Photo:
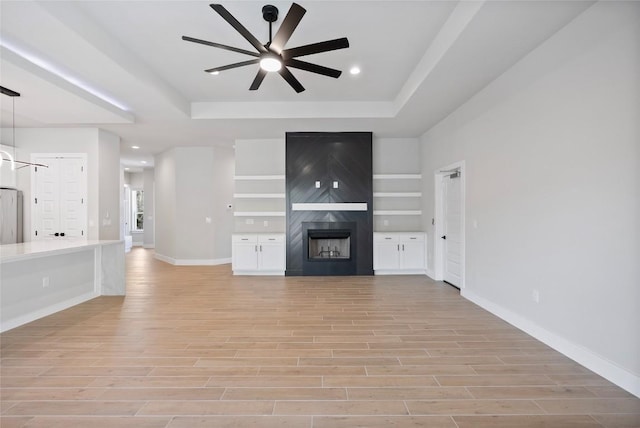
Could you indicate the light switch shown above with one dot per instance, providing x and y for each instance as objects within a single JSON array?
[
  {"x": 207, "y": 220},
  {"x": 335, "y": 184},
  {"x": 317, "y": 184}
]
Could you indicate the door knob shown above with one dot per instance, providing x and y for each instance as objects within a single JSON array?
[{"x": 444, "y": 237}]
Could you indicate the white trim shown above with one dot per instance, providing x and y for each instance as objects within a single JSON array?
[
  {"x": 335, "y": 206},
  {"x": 49, "y": 310},
  {"x": 259, "y": 195},
  {"x": 430, "y": 273},
  {"x": 149, "y": 246},
  {"x": 399, "y": 272},
  {"x": 258, "y": 177},
  {"x": 397, "y": 176},
  {"x": 594, "y": 362},
  {"x": 258, "y": 272},
  {"x": 397, "y": 194},
  {"x": 193, "y": 262},
  {"x": 259, "y": 214},
  {"x": 438, "y": 246},
  {"x": 397, "y": 212}
]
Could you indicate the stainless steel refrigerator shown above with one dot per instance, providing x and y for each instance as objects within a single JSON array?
[{"x": 10, "y": 216}]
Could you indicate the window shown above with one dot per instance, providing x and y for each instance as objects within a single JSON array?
[{"x": 137, "y": 210}]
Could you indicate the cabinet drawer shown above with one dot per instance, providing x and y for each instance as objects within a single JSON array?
[
  {"x": 412, "y": 237},
  {"x": 247, "y": 239},
  {"x": 266, "y": 239},
  {"x": 385, "y": 237}
]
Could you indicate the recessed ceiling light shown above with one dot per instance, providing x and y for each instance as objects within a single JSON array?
[
  {"x": 143, "y": 162},
  {"x": 354, "y": 70},
  {"x": 126, "y": 169},
  {"x": 135, "y": 147}
]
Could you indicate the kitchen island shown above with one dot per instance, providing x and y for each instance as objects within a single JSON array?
[{"x": 40, "y": 278}]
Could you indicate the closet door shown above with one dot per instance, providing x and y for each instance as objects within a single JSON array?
[{"x": 59, "y": 202}]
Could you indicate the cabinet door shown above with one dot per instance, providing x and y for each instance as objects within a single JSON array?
[
  {"x": 386, "y": 255},
  {"x": 244, "y": 256},
  {"x": 272, "y": 257},
  {"x": 412, "y": 254}
]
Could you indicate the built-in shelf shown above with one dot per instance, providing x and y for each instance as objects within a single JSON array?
[
  {"x": 259, "y": 195},
  {"x": 259, "y": 214},
  {"x": 258, "y": 177},
  {"x": 397, "y": 176},
  {"x": 397, "y": 194},
  {"x": 397, "y": 212}
]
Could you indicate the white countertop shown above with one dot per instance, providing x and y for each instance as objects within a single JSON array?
[{"x": 46, "y": 247}]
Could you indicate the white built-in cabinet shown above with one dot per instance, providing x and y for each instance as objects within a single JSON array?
[
  {"x": 258, "y": 254},
  {"x": 399, "y": 253}
]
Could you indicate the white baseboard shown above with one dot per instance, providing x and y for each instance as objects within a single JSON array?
[
  {"x": 594, "y": 362},
  {"x": 399, "y": 272},
  {"x": 193, "y": 262},
  {"x": 258, "y": 272},
  {"x": 431, "y": 274},
  {"x": 149, "y": 246},
  {"x": 41, "y": 313}
]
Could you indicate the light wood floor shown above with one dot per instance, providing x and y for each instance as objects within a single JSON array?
[{"x": 197, "y": 347}]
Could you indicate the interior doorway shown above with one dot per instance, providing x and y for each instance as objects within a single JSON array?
[
  {"x": 449, "y": 233},
  {"x": 59, "y": 196}
]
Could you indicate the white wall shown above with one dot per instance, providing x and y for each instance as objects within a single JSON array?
[
  {"x": 223, "y": 172},
  {"x": 552, "y": 159},
  {"x": 165, "y": 202},
  {"x": 7, "y": 169},
  {"x": 149, "y": 208},
  {"x": 109, "y": 185},
  {"x": 192, "y": 183}
]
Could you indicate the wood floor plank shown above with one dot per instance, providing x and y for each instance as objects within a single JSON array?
[{"x": 195, "y": 346}]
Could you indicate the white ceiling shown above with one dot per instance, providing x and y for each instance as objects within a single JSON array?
[{"x": 122, "y": 66}]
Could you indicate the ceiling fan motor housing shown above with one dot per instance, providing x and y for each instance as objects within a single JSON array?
[{"x": 270, "y": 13}]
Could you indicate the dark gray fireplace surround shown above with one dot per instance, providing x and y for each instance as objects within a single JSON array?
[{"x": 329, "y": 168}]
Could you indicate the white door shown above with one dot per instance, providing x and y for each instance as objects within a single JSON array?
[
  {"x": 452, "y": 231},
  {"x": 59, "y": 203},
  {"x": 46, "y": 200}
]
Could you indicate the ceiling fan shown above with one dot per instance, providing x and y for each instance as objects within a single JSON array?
[{"x": 272, "y": 56}]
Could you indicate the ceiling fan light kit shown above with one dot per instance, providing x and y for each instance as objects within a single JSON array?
[{"x": 272, "y": 56}]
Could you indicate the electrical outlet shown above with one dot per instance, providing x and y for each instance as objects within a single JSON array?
[
  {"x": 265, "y": 223},
  {"x": 248, "y": 221},
  {"x": 535, "y": 295},
  {"x": 385, "y": 222},
  {"x": 45, "y": 281}
]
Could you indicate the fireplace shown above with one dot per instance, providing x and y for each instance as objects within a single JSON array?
[
  {"x": 329, "y": 197},
  {"x": 330, "y": 248},
  {"x": 327, "y": 245}
]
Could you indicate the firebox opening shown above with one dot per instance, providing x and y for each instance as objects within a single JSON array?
[{"x": 329, "y": 244}]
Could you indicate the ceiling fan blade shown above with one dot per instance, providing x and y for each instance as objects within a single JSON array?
[
  {"x": 289, "y": 24},
  {"x": 224, "y": 13},
  {"x": 258, "y": 80},
  {"x": 291, "y": 80},
  {"x": 218, "y": 45},
  {"x": 235, "y": 65},
  {"x": 328, "y": 45},
  {"x": 314, "y": 68}
]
